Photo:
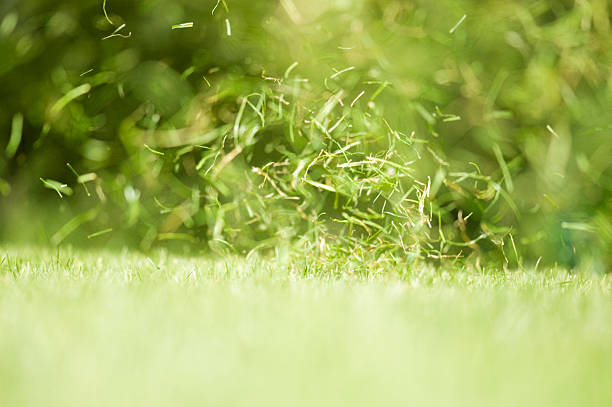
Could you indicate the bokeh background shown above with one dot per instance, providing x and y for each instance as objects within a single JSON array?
[{"x": 518, "y": 91}]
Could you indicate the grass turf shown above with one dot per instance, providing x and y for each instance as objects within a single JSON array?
[{"x": 102, "y": 328}]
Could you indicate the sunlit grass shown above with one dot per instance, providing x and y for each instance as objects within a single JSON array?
[{"x": 104, "y": 328}]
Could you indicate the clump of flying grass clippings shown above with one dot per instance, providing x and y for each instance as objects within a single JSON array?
[
  {"x": 383, "y": 130},
  {"x": 302, "y": 165}
]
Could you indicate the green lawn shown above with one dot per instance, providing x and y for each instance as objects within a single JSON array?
[{"x": 120, "y": 329}]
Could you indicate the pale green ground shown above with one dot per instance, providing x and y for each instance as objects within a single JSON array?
[{"x": 109, "y": 329}]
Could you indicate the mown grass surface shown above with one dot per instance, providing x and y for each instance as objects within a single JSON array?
[{"x": 102, "y": 328}]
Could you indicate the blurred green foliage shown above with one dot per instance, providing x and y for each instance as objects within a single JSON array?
[{"x": 427, "y": 129}]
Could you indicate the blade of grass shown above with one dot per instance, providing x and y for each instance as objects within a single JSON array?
[
  {"x": 72, "y": 225},
  {"x": 504, "y": 167},
  {"x": 78, "y": 178},
  {"x": 69, "y": 97},
  {"x": 452, "y": 30},
  {"x": 16, "y": 134},
  {"x": 183, "y": 25},
  {"x": 100, "y": 233}
]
